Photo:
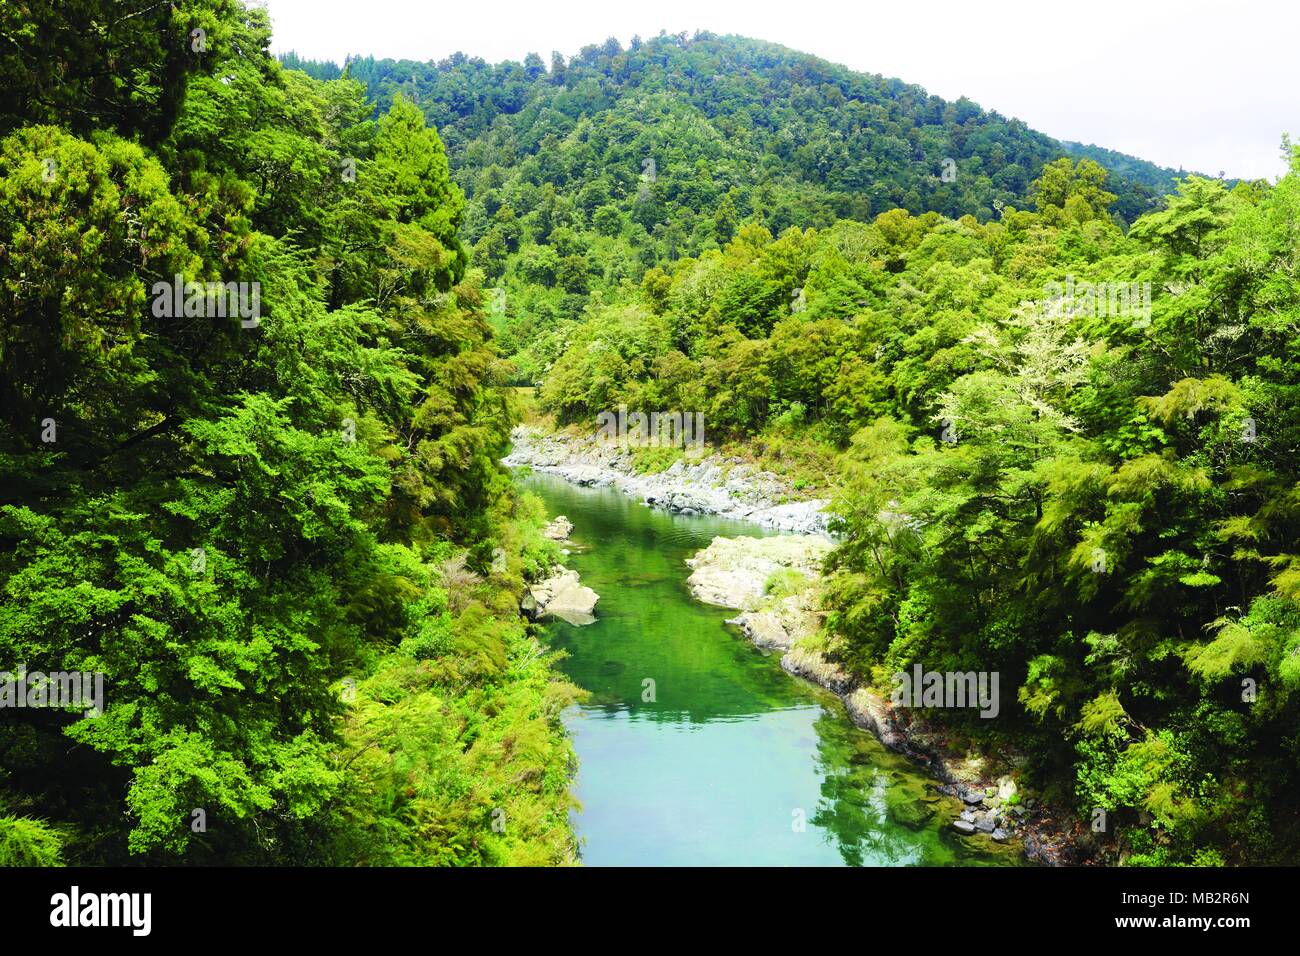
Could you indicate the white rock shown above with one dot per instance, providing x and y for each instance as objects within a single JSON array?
[
  {"x": 733, "y": 572},
  {"x": 564, "y": 596},
  {"x": 559, "y": 529}
]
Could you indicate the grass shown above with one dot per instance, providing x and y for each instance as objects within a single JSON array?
[
  {"x": 651, "y": 460},
  {"x": 785, "y": 582}
]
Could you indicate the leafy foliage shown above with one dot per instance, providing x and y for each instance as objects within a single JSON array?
[{"x": 244, "y": 525}]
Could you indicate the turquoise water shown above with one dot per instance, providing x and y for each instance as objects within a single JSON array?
[{"x": 695, "y": 747}]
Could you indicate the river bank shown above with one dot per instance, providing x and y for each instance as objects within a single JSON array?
[
  {"x": 774, "y": 583},
  {"x": 713, "y": 485}
]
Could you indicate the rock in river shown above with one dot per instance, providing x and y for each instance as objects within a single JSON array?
[
  {"x": 562, "y": 595},
  {"x": 559, "y": 529}
]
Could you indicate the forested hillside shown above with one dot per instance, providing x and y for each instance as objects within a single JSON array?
[
  {"x": 1158, "y": 178},
  {"x": 282, "y": 535},
  {"x": 581, "y": 175}
]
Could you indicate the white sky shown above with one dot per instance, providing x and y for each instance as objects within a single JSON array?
[{"x": 1208, "y": 86}]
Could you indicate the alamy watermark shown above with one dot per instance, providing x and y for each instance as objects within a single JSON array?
[
  {"x": 648, "y": 175},
  {"x": 948, "y": 689},
  {"x": 179, "y": 298},
  {"x": 671, "y": 429},
  {"x": 1131, "y": 300},
  {"x": 60, "y": 690},
  {"x": 75, "y": 908}
]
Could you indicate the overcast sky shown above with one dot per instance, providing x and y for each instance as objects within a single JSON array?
[{"x": 1206, "y": 86}]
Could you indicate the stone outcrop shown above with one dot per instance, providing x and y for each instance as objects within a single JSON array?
[{"x": 733, "y": 572}]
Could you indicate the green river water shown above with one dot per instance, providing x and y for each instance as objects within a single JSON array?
[{"x": 730, "y": 761}]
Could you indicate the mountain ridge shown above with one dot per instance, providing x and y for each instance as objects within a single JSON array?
[{"x": 446, "y": 104}]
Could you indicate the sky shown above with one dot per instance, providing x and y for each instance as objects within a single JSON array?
[{"x": 1205, "y": 86}]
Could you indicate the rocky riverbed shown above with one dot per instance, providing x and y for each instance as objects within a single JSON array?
[
  {"x": 712, "y": 485},
  {"x": 774, "y": 583}
]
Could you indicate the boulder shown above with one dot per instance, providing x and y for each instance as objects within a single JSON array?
[
  {"x": 911, "y": 814},
  {"x": 765, "y": 629},
  {"x": 529, "y": 605},
  {"x": 559, "y": 529},
  {"x": 576, "y": 604},
  {"x": 812, "y": 666},
  {"x": 561, "y": 595}
]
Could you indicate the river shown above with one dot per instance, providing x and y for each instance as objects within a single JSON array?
[{"x": 695, "y": 748}]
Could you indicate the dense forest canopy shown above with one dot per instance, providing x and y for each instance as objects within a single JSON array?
[
  {"x": 582, "y": 174},
  {"x": 842, "y": 142}
]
